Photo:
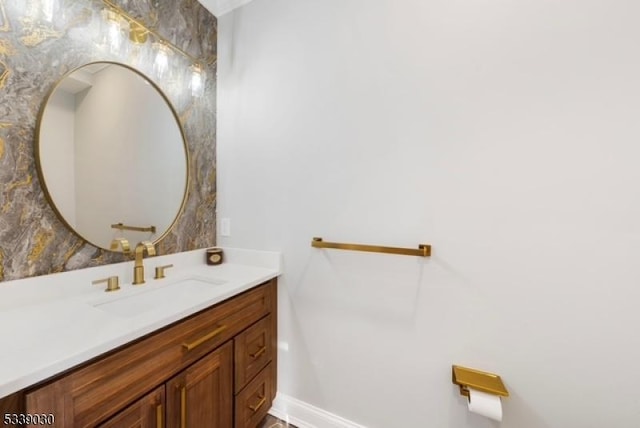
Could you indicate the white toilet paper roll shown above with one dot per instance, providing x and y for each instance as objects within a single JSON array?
[{"x": 484, "y": 404}]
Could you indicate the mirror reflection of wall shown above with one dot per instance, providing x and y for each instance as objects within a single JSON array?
[
  {"x": 111, "y": 151},
  {"x": 61, "y": 123}
]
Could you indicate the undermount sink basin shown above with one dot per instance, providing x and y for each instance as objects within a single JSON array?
[{"x": 153, "y": 296}]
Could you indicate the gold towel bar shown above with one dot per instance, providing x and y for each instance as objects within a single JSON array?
[
  {"x": 423, "y": 250},
  {"x": 122, "y": 226},
  {"x": 466, "y": 378}
]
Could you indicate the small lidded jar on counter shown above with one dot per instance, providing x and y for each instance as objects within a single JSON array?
[{"x": 214, "y": 256}]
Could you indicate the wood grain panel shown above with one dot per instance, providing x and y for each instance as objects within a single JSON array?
[
  {"x": 273, "y": 300},
  {"x": 12, "y": 404}
]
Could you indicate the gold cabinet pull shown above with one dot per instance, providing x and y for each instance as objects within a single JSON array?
[
  {"x": 259, "y": 404},
  {"x": 259, "y": 352},
  {"x": 203, "y": 339},
  {"x": 159, "y": 412},
  {"x": 183, "y": 407}
]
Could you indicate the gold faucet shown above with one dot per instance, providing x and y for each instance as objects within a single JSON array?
[
  {"x": 121, "y": 242},
  {"x": 138, "y": 267}
]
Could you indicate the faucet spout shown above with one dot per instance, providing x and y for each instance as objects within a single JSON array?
[{"x": 138, "y": 267}]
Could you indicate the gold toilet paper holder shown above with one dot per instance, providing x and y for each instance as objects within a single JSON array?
[{"x": 466, "y": 378}]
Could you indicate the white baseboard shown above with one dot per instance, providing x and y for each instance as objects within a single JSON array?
[{"x": 304, "y": 415}]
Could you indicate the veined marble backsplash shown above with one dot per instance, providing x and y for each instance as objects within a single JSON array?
[{"x": 34, "y": 55}]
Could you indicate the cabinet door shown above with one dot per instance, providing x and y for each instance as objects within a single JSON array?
[
  {"x": 147, "y": 412},
  {"x": 202, "y": 395}
]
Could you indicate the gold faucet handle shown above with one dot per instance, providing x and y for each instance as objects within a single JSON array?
[
  {"x": 124, "y": 243},
  {"x": 147, "y": 245},
  {"x": 113, "y": 283},
  {"x": 160, "y": 271}
]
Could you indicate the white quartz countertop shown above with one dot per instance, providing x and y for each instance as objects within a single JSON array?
[{"x": 52, "y": 323}]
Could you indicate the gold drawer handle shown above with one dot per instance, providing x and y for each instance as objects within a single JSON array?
[
  {"x": 203, "y": 339},
  {"x": 183, "y": 407},
  {"x": 259, "y": 352},
  {"x": 159, "y": 412},
  {"x": 260, "y": 403}
]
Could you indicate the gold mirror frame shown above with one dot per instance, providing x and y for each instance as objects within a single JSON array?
[{"x": 40, "y": 171}]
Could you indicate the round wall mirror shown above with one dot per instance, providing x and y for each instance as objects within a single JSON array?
[{"x": 111, "y": 155}]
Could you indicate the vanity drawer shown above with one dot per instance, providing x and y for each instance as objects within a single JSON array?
[
  {"x": 253, "y": 351},
  {"x": 255, "y": 399},
  {"x": 148, "y": 411},
  {"x": 92, "y": 393}
]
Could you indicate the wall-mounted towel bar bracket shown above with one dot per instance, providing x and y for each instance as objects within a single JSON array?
[{"x": 423, "y": 250}]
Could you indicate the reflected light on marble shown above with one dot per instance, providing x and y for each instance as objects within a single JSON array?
[
  {"x": 48, "y": 9},
  {"x": 115, "y": 32},
  {"x": 161, "y": 62},
  {"x": 139, "y": 56},
  {"x": 33, "y": 12},
  {"x": 197, "y": 80}
]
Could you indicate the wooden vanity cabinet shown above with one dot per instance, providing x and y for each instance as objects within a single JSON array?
[{"x": 215, "y": 369}]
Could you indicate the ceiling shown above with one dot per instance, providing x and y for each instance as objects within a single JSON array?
[{"x": 220, "y": 7}]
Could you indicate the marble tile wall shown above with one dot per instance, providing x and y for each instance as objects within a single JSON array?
[{"x": 34, "y": 54}]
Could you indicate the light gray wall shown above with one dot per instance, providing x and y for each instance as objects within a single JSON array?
[{"x": 506, "y": 135}]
